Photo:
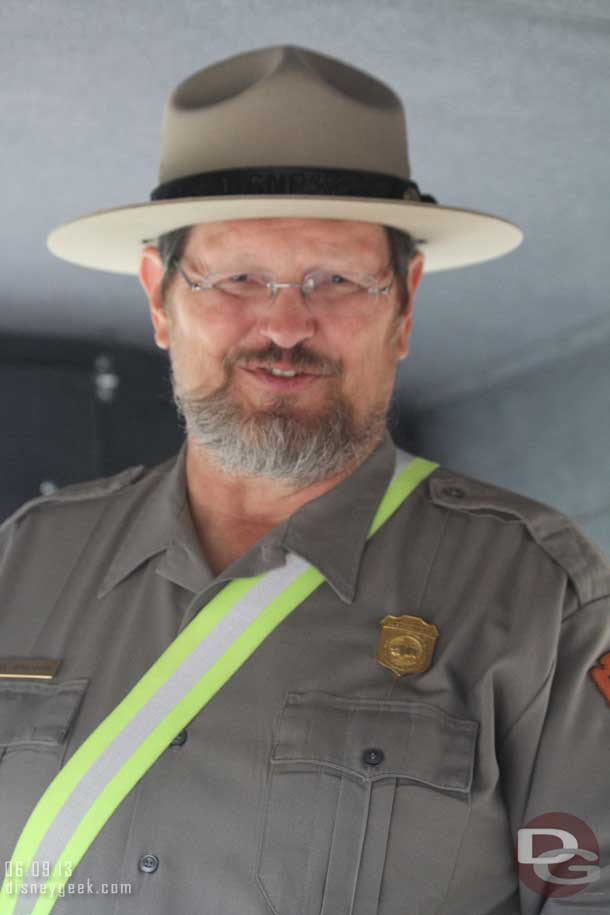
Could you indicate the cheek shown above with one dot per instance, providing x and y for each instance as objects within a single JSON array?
[
  {"x": 366, "y": 347},
  {"x": 370, "y": 359},
  {"x": 211, "y": 335}
]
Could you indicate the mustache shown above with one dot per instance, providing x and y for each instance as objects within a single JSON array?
[{"x": 297, "y": 357}]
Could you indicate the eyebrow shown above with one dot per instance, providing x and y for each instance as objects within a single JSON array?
[
  {"x": 248, "y": 260},
  {"x": 202, "y": 271}
]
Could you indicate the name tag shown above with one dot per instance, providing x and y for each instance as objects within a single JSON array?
[{"x": 29, "y": 668}]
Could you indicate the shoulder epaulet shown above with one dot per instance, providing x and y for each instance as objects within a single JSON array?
[
  {"x": 75, "y": 492},
  {"x": 562, "y": 538}
]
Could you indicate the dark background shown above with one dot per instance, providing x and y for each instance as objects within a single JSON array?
[{"x": 76, "y": 411}]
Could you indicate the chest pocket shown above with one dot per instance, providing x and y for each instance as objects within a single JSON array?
[
  {"x": 35, "y": 719},
  {"x": 367, "y": 803}
]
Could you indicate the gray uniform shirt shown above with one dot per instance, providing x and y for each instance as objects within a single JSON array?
[{"x": 270, "y": 804}]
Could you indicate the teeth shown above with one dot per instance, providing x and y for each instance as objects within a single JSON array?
[{"x": 287, "y": 374}]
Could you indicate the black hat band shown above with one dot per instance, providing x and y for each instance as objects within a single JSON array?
[{"x": 332, "y": 182}]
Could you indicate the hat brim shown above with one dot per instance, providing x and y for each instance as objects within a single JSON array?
[{"x": 112, "y": 240}]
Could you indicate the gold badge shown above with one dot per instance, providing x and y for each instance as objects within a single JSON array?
[
  {"x": 406, "y": 644},
  {"x": 29, "y": 668}
]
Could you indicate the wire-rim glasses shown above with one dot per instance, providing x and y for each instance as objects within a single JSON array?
[{"x": 324, "y": 288}]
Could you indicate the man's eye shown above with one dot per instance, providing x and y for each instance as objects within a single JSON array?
[
  {"x": 336, "y": 284},
  {"x": 329, "y": 279},
  {"x": 240, "y": 284}
]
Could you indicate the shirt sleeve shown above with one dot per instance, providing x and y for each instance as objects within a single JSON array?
[{"x": 555, "y": 769}]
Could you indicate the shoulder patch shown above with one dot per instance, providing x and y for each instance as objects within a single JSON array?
[
  {"x": 563, "y": 539},
  {"x": 75, "y": 492}
]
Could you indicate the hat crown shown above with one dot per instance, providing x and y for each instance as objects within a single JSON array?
[{"x": 283, "y": 106}]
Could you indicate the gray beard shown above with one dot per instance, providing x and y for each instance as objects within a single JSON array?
[{"x": 273, "y": 442}]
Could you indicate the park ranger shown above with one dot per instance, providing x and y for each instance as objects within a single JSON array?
[{"x": 295, "y": 669}]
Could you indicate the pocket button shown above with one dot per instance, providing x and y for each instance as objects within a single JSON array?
[
  {"x": 148, "y": 864},
  {"x": 372, "y": 756}
]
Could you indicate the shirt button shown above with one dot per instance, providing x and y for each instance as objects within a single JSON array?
[
  {"x": 372, "y": 756},
  {"x": 148, "y": 864},
  {"x": 179, "y": 739},
  {"x": 455, "y": 492}
]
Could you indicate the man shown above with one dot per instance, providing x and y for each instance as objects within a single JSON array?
[{"x": 301, "y": 671}]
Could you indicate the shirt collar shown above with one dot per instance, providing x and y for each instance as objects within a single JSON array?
[{"x": 330, "y": 531}]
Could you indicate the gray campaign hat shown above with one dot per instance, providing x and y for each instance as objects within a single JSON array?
[{"x": 284, "y": 131}]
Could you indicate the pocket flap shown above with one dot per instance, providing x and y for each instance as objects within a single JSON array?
[
  {"x": 418, "y": 741},
  {"x": 38, "y": 713}
]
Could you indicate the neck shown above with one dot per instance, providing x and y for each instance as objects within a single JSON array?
[
  {"x": 260, "y": 501},
  {"x": 231, "y": 513}
]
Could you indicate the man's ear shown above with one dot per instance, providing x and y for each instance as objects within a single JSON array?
[
  {"x": 403, "y": 333},
  {"x": 416, "y": 270},
  {"x": 151, "y": 277}
]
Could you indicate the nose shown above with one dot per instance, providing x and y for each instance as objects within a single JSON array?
[{"x": 287, "y": 318}]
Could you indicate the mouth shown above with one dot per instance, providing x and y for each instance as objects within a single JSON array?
[{"x": 283, "y": 378}]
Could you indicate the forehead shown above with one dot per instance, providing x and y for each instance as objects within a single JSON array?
[{"x": 333, "y": 236}]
